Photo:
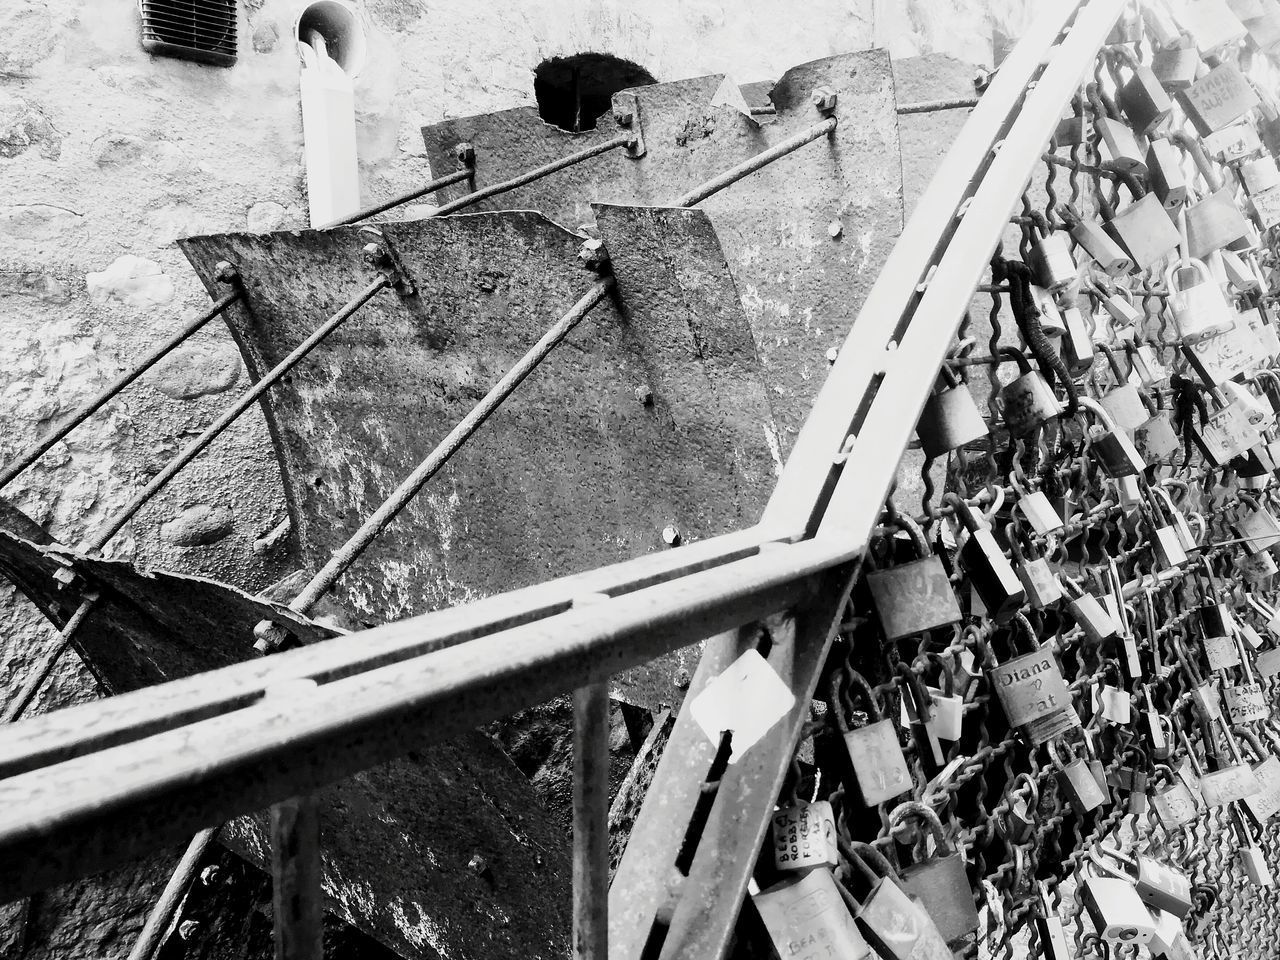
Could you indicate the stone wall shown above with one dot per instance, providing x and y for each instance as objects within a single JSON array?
[{"x": 107, "y": 155}]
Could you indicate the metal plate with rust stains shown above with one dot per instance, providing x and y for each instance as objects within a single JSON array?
[{"x": 804, "y": 237}]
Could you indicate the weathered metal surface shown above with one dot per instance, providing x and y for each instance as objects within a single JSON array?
[
  {"x": 575, "y": 470},
  {"x": 800, "y": 286}
]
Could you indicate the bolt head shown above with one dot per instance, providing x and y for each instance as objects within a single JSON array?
[
  {"x": 225, "y": 272},
  {"x": 478, "y": 865},
  {"x": 823, "y": 99},
  {"x": 671, "y": 536},
  {"x": 593, "y": 254},
  {"x": 644, "y": 394},
  {"x": 682, "y": 679},
  {"x": 374, "y": 254},
  {"x": 466, "y": 153},
  {"x": 832, "y": 354},
  {"x": 187, "y": 929},
  {"x": 624, "y": 115},
  {"x": 210, "y": 875}
]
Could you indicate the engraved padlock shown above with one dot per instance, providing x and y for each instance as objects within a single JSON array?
[
  {"x": 1026, "y": 402},
  {"x": 1111, "y": 446},
  {"x": 1245, "y": 700},
  {"x": 1199, "y": 309},
  {"x": 879, "y": 767},
  {"x": 1220, "y": 97},
  {"x": 806, "y": 914},
  {"x": 1031, "y": 688},
  {"x": 1259, "y": 173},
  {"x": 1174, "y": 803},
  {"x": 950, "y": 418},
  {"x": 1230, "y": 781},
  {"x": 1264, "y": 804},
  {"x": 985, "y": 565},
  {"x": 804, "y": 835},
  {"x": 914, "y": 596},
  {"x": 1257, "y": 529},
  {"x": 1157, "y": 884},
  {"x": 939, "y": 882}
]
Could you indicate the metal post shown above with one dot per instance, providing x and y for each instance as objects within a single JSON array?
[
  {"x": 93, "y": 406},
  {"x": 766, "y": 157},
  {"x": 350, "y": 551},
  {"x": 296, "y": 895},
  {"x": 591, "y": 815},
  {"x": 240, "y": 406},
  {"x": 437, "y": 184}
]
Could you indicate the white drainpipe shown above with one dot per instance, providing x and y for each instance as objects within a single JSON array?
[{"x": 331, "y": 46}]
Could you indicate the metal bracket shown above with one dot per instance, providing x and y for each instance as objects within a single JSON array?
[{"x": 626, "y": 111}]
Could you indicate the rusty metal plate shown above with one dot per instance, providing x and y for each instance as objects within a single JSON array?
[
  {"x": 575, "y": 470},
  {"x": 399, "y": 838},
  {"x": 801, "y": 286}
]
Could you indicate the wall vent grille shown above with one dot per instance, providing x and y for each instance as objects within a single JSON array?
[{"x": 203, "y": 30}]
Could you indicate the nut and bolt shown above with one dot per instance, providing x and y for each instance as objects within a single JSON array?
[
  {"x": 225, "y": 272},
  {"x": 644, "y": 394},
  {"x": 624, "y": 114},
  {"x": 478, "y": 865},
  {"x": 823, "y": 99},
  {"x": 832, "y": 354},
  {"x": 593, "y": 254},
  {"x": 671, "y": 536},
  {"x": 187, "y": 929},
  {"x": 210, "y": 875},
  {"x": 374, "y": 254},
  {"x": 465, "y": 153}
]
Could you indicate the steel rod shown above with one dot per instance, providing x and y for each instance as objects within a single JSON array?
[
  {"x": 933, "y": 106},
  {"x": 160, "y": 919},
  {"x": 437, "y": 184},
  {"x": 97, "y": 403},
  {"x": 40, "y": 673},
  {"x": 83, "y": 815},
  {"x": 193, "y": 450},
  {"x": 537, "y": 173},
  {"x": 349, "y": 552},
  {"x": 591, "y": 822},
  {"x": 751, "y": 165},
  {"x": 297, "y": 898}
]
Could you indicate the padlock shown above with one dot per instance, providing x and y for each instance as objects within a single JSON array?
[
  {"x": 1164, "y": 168},
  {"x": 1146, "y": 366},
  {"x": 1110, "y": 699},
  {"x": 1153, "y": 724},
  {"x": 919, "y": 710},
  {"x": 1220, "y": 97},
  {"x": 804, "y": 835},
  {"x": 1130, "y": 779},
  {"x": 1256, "y": 412},
  {"x": 1050, "y": 260},
  {"x": 1076, "y": 345},
  {"x": 1176, "y": 66},
  {"x": 1231, "y": 781},
  {"x": 1077, "y": 782},
  {"x": 1210, "y": 23},
  {"x": 1199, "y": 308},
  {"x": 1264, "y": 30},
  {"x": 1111, "y": 446},
  {"x": 806, "y": 917},
  {"x": 1240, "y": 276},
  {"x": 1035, "y": 506},
  {"x": 1255, "y": 526},
  {"x": 1141, "y": 98},
  {"x": 1166, "y": 541},
  {"x": 1052, "y": 321},
  {"x": 985, "y": 565},
  {"x": 1158, "y": 885},
  {"x": 1119, "y": 306},
  {"x": 879, "y": 766},
  {"x": 1122, "y": 401},
  {"x": 1038, "y": 578},
  {"x": 1246, "y": 701},
  {"x": 1253, "y": 864},
  {"x": 1143, "y": 228},
  {"x": 1031, "y": 688},
  {"x": 1116, "y": 910},
  {"x": 1129, "y": 663},
  {"x": 1219, "y": 357},
  {"x": 947, "y": 705},
  {"x": 1266, "y": 206},
  {"x": 1122, "y": 150},
  {"x": 1213, "y": 223},
  {"x": 893, "y": 924},
  {"x": 1174, "y": 803},
  {"x": 915, "y": 596},
  {"x": 1027, "y": 402},
  {"x": 1049, "y": 931},
  {"x": 940, "y": 882},
  {"x": 1094, "y": 240},
  {"x": 950, "y": 418},
  {"x": 1170, "y": 939},
  {"x": 1264, "y": 804},
  {"x": 1233, "y": 143},
  {"x": 1097, "y": 624},
  {"x": 1190, "y": 543},
  {"x": 1260, "y": 173}
]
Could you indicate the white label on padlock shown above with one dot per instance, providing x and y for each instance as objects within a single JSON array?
[
  {"x": 1267, "y": 203},
  {"x": 1229, "y": 434},
  {"x": 1232, "y": 142},
  {"x": 748, "y": 699}
]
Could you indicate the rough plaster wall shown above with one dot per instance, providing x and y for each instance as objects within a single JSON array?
[{"x": 107, "y": 155}]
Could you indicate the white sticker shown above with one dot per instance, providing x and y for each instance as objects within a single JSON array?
[{"x": 748, "y": 699}]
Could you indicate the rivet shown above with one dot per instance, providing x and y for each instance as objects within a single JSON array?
[
  {"x": 644, "y": 394},
  {"x": 670, "y": 536}
]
